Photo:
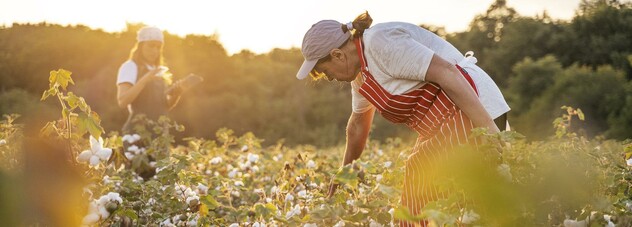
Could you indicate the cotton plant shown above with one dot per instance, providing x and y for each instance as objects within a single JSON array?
[
  {"x": 133, "y": 151},
  {"x": 340, "y": 223},
  {"x": 130, "y": 139},
  {"x": 311, "y": 164},
  {"x": 575, "y": 223},
  {"x": 253, "y": 158},
  {"x": 215, "y": 160},
  {"x": 296, "y": 210},
  {"x": 102, "y": 208},
  {"x": 469, "y": 217},
  {"x": 180, "y": 220},
  {"x": 303, "y": 194},
  {"x": 202, "y": 189},
  {"x": 96, "y": 154},
  {"x": 505, "y": 172},
  {"x": 373, "y": 223},
  {"x": 186, "y": 194}
]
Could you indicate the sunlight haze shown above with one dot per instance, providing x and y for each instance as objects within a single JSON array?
[{"x": 260, "y": 25}]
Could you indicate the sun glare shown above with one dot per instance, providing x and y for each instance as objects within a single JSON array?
[{"x": 258, "y": 25}]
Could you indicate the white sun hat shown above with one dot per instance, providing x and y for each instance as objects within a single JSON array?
[
  {"x": 149, "y": 33},
  {"x": 319, "y": 40}
]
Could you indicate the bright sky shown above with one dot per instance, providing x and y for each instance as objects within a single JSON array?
[{"x": 260, "y": 25}]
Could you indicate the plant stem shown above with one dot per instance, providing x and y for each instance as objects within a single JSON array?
[{"x": 69, "y": 128}]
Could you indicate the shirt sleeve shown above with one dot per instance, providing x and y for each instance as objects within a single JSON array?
[
  {"x": 127, "y": 73},
  {"x": 359, "y": 104},
  {"x": 401, "y": 56}
]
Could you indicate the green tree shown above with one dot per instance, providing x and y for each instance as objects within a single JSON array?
[
  {"x": 597, "y": 92},
  {"x": 600, "y": 34}
]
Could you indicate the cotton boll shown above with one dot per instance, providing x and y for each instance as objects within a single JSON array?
[
  {"x": 103, "y": 212},
  {"x": 573, "y": 223},
  {"x": 113, "y": 196},
  {"x": 90, "y": 219},
  {"x": 373, "y": 223},
  {"x": 95, "y": 144},
  {"x": 311, "y": 164},
  {"x": 253, "y": 158},
  {"x": 216, "y": 160},
  {"x": 104, "y": 154},
  {"x": 289, "y": 197},
  {"x": 469, "y": 217},
  {"x": 134, "y": 149},
  {"x": 94, "y": 160},
  {"x": 84, "y": 156}
]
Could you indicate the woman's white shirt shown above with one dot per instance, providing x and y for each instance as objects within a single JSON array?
[
  {"x": 398, "y": 56},
  {"x": 128, "y": 73}
]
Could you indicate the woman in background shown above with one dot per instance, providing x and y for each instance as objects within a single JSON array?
[{"x": 142, "y": 80}]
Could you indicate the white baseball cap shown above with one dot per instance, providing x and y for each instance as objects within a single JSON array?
[
  {"x": 149, "y": 33},
  {"x": 319, "y": 40}
]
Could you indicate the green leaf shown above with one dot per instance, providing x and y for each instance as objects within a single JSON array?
[
  {"x": 129, "y": 213},
  {"x": 266, "y": 211},
  {"x": 90, "y": 123},
  {"x": 383, "y": 217},
  {"x": 50, "y": 92},
  {"x": 357, "y": 217},
  {"x": 62, "y": 78},
  {"x": 402, "y": 213},
  {"x": 196, "y": 155},
  {"x": 321, "y": 212},
  {"x": 210, "y": 202},
  {"x": 73, "y": 101},
  {"x": 52, "y": 79},
  {"x": 346, "y": 175},
  {"x": 388, "y": 190},
  {"x": 580, "y": 114}
]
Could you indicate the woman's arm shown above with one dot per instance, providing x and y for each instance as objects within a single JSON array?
[
  {"x": 127, "y": 92},
  {"x": 173, "y": 97},
  {"x": 358, "y": 128},
  {"x": 448, "y": 77}
]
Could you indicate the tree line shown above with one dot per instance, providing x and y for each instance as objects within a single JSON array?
[{"x": 539, "y": 63}]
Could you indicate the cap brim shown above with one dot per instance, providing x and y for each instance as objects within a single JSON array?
[{"x": 307, "y": 67}]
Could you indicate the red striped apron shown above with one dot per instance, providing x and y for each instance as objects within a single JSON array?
[{"x": 431, "y": 113}]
